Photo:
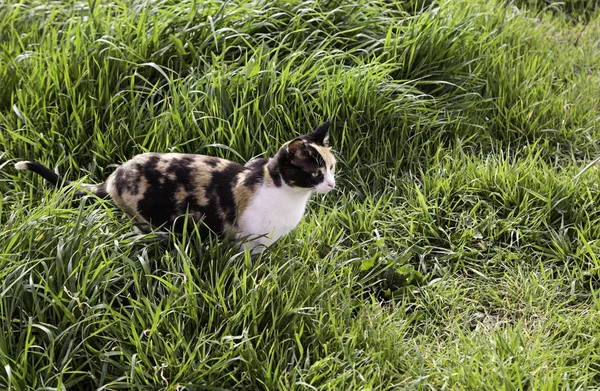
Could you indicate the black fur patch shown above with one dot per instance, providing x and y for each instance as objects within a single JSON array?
[
  {"x": 212, "y": 162},
  {"x": 47, "y": 174},
  {"x": 276, "y": 176},
  {"x": 127, "y": 180},
  {"x": 297, "y": 167},
  {"x": 319, "y": 135},
  {"x": 257, "y": 173},
  {"x": 182, "y": 169},
  {"x": 158, "y": 202},
  {"x": 100, "y": 191},
  {"x": 220, "y": 190}
]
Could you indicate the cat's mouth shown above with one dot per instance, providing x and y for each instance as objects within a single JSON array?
[{"x": 325, "y": 187}]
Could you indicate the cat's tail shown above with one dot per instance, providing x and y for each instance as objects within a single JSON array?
[{"x": 58, "y": 181}]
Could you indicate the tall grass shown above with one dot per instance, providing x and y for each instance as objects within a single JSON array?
[{"x": 460, "y": 250}]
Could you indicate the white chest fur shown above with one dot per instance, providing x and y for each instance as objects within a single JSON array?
[{"x": 271, "y": 214}]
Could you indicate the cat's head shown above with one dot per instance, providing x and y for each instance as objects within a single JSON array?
[{"x": 307, "y": 162}]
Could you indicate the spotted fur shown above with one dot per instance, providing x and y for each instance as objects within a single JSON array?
[{"x": 260, "y": 201}]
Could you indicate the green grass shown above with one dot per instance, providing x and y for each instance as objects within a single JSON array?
[{"x": 460, "y": 250}]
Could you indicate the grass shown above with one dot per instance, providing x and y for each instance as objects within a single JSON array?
[{"x": 460, "y": 251}]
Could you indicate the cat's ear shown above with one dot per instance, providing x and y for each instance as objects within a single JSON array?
[
  {"x": 320, "y": 135},
  {"x": 295, "y": 146}
]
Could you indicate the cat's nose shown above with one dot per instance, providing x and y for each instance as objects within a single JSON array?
[{"x": 331, "y": 185}]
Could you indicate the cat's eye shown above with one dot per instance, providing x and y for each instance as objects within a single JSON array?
[{"x": 315, "y": 174}]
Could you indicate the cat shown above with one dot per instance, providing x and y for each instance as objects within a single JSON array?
[{"x": 258, "y": 202}]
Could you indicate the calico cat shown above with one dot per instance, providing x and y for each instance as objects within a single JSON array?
[{"x": 258, "y": 203}]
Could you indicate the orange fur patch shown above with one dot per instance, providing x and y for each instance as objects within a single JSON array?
[{"x": 327, "y": 155}]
